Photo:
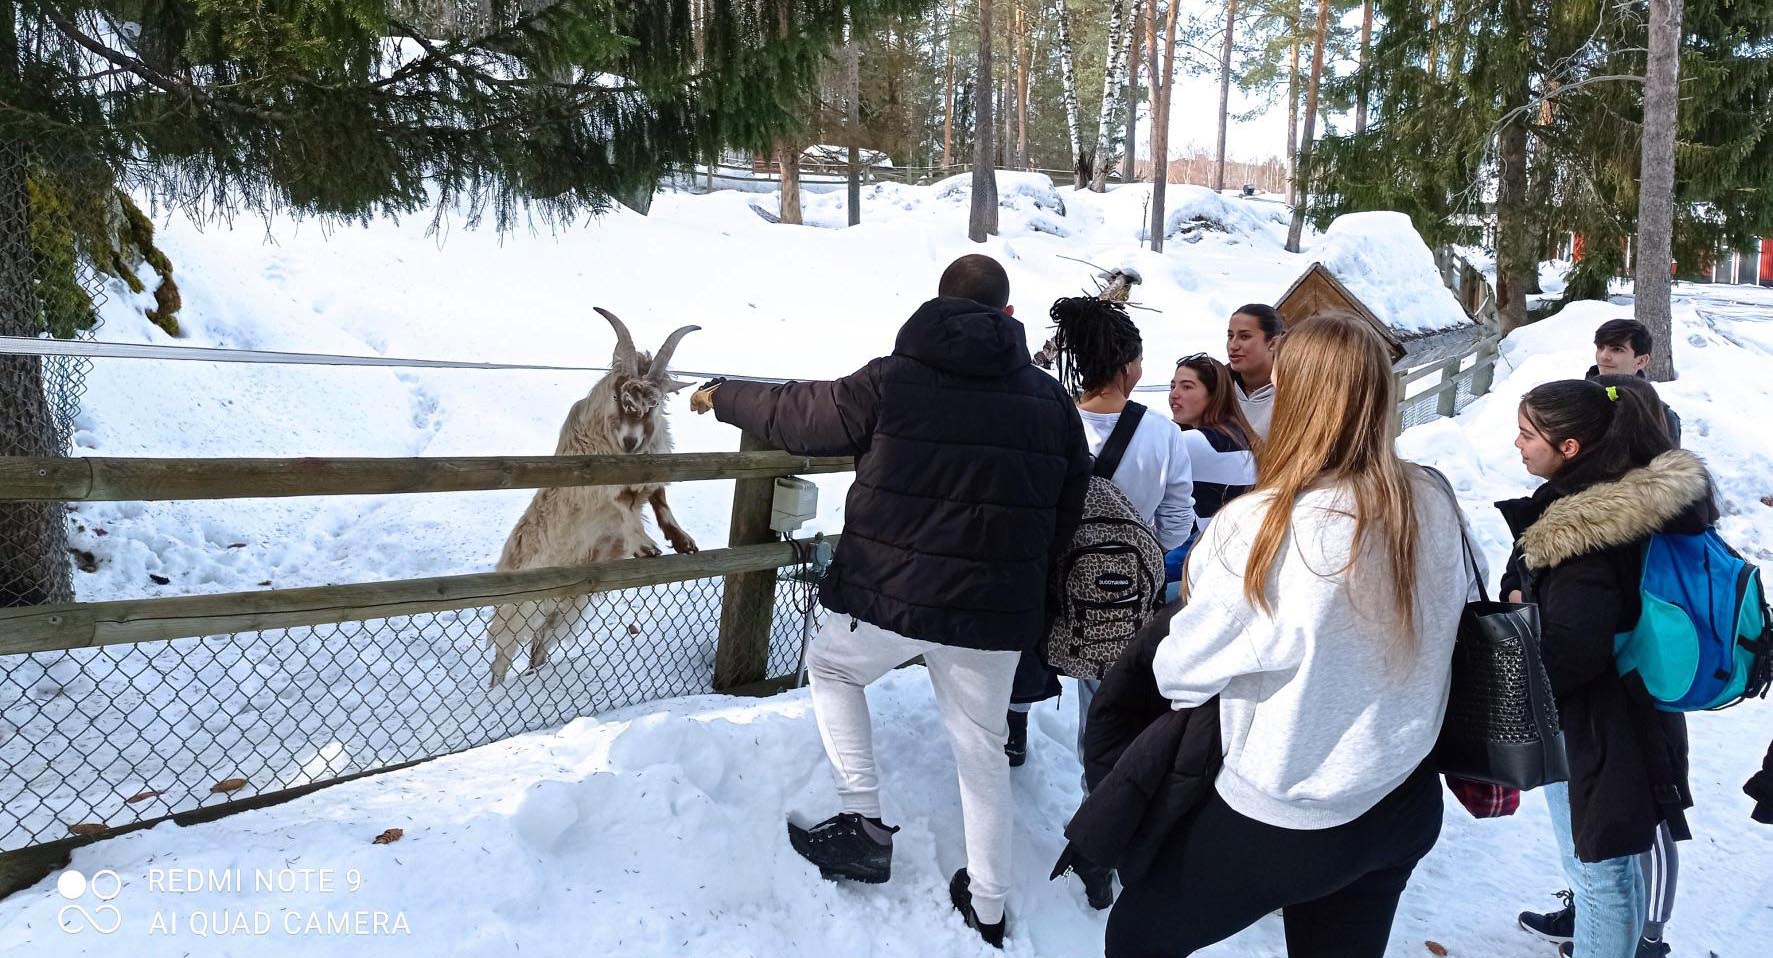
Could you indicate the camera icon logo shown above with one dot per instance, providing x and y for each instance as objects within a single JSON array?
[{"x": 104, "y": 886}]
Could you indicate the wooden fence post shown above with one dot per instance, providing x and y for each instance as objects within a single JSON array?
[
  {"x": 1448, "y": 402},
  {"x": 1483, "y": 371},
  {"x": 747, "y": 604}
]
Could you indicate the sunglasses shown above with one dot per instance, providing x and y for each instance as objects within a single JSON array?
[{"x": 1192, "y": 358}]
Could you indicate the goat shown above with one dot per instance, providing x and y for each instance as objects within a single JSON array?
[{"x": 578, "y": 525}]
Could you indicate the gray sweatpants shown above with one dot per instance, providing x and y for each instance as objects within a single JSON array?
[{"x": 972, "y": 695}]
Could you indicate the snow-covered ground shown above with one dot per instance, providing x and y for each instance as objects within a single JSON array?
[{"x": 657, "y": 830}]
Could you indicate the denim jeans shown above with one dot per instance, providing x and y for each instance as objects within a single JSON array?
[
  {"x": 1610, "y": 897},
  {"x": 1086, "y": 691}
]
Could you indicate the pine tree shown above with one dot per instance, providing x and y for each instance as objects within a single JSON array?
[{"x": 351, "y": 109}]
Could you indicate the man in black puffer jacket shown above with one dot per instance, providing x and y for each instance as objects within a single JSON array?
[{"x": 970, "y": 474}]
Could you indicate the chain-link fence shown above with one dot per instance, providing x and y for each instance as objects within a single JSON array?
[
  {"x": 105, "y": 737},
  {"x": 48, "y": 287},
  {"x": 1427, "y": 402}
]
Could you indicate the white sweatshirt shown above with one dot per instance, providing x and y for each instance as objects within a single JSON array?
[
  {"x": 1318, "y": 723},
  {"x": 1155, "y": 472},
  {"x": 1258, "y": 407}
]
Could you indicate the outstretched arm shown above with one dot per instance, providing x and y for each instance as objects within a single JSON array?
[{"x": 808, "y": 419}]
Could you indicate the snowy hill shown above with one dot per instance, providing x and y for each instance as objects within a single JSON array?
[{"x": 657, "y": 830}]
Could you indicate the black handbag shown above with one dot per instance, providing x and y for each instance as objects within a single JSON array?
[{"x": 1502, "y": 723}]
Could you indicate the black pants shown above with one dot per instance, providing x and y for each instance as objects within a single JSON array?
[{"x": 1220, "y": 872}]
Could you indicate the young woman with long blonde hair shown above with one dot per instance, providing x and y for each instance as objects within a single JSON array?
[{"x": 1322, "y": 609}]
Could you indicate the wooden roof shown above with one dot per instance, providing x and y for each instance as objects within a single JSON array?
[{"x": 1317, "y": 291}]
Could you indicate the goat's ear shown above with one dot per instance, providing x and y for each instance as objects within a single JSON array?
[{"x": 673, "y": 385}]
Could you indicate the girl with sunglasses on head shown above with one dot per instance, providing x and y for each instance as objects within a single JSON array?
[{"x": 1220, "y": 441}]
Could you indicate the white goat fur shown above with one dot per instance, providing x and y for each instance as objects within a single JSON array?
[{"x": 623, "y": 413}]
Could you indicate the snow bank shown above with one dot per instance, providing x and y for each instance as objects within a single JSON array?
[
  {"x": 1381, "y": 259},
  {"x": 1193, "y": 212}
]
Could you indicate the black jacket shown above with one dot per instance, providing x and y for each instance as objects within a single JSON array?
[
  {"x": 1668, "y": 414},
  {"x": 1147, "y": 766},
  {"x": 971, "y": 463},
  {"x": 1760, "y": 788},
  {"x": 1579, "y": 553}
]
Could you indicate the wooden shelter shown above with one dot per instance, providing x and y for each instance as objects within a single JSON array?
[{"x": 1318, "y": 291}]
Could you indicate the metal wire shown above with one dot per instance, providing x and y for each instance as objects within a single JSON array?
[{"x": 121, "y": 734}]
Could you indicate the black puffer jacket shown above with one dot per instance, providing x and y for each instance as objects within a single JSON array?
[
  {"x": 1580, "y": 554},
  {"x": 966, "y": 452}
]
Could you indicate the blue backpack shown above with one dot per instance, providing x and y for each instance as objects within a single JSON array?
[{"x": 1705, "y": 638}]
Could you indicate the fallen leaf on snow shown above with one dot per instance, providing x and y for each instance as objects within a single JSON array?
[
  {"x": 1436, "y": 948},
  {"x": 87, "y": 829},
  {"x": 228, "y": 785},
  {"x": 389, "y": 837},
  {"x": 142, "y": 796}
]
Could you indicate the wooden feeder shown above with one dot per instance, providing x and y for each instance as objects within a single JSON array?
[{"x": 1317, "y": 291}]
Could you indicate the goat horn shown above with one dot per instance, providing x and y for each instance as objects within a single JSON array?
[
  {"x": 625, "y": 355},
  {"x": 662, "y": 359}
]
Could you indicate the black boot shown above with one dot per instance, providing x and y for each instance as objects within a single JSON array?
[
  {"x": 1017, "y": 746},
  {"x": 960, "y": 892},
  {"x": 847, "y": 846}
]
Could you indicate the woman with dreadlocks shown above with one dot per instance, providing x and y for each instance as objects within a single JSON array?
[{"x": 1100, "y": 359}]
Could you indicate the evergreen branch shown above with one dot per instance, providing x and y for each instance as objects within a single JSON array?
[{"x": 128, "y": 64}]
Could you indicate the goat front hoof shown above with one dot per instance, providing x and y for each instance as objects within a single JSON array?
[
  {"x": 648, "y": 551},
  {"x": 684, "y": 545}
]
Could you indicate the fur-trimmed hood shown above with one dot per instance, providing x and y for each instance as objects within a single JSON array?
[{"x": 1610, "y": 514}]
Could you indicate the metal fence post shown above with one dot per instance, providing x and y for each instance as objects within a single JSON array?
[{"x": 748, "y": 600}]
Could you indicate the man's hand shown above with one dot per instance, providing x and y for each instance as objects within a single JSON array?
[
  {"x": 702, "y": 400},
  {"x": 1515, "y": 596}
]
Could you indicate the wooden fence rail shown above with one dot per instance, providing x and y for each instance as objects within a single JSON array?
[
  {"x": 101, "y": 479},
  {"x": 77, "y": 625}
]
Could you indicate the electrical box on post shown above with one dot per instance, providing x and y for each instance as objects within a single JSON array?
[{"x": 796, "y": 502}]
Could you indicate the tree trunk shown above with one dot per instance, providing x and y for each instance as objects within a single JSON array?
[
  {"x": 1656, "y": 174},
  {"x": 1160, "y": 163},
  {"x": 1297, "y": 229},
  {"x": 1293, "y": 105},
  {"x": 983, "y": 220},
  {"x": 1108, "y": 139},
  {"x": 1129, "y": 155},
  {"x": 852, "y": 120},
  {"x": 34, "y": 567},
  {"x": 1160, "y": 126},
  {"x": 948, "y": 96},
  {"x": 1023, "y": 55},
  {"x": 788, "y": 162},
  {"x": 1068, "y": 93},
  {"x": 1514, "y": 261},
  {"x": 1360, "y": 104},
  {"x": 1224, "y": 90}
]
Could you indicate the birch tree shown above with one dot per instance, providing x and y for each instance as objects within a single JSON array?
[
  {"x": 1114, "y": 88},
  {"x": 1068, "y": 86}
]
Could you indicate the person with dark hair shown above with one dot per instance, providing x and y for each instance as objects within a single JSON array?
[
  {"x": 1100, "y": 357},
  {"x": 1220, "y": 441},
  {"x": 971, "y": 471},
  {"x": 1622, "y": 348},
  {"x": 978, "y": 278},
  {"x": 1251, "y": 338},
  {"x": 1613, "y": 478}
]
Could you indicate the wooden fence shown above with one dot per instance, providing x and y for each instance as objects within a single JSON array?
[{"x": 744, "y": 578}]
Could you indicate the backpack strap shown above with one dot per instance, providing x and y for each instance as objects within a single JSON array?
[{"x": 1108, "y": 461}]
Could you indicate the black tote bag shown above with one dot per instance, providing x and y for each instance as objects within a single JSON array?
[{"x": 1502, "y": 723}]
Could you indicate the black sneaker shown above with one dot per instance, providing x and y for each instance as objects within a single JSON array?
[
  {"x": 847, "y": 846},
  {"x": 960, "y": 892},
  {"x": 1558, "y": 926},
  {"x": 1652, "y": 949},
  {"x": 1017, "y": 746},
  {"x": 1098, "y": 882}
]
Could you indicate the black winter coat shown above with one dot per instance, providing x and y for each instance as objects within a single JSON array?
[
  {"x": 1147, "y": 765},
  {"x": 1579, "y": 553},
  {"x": 971, "y": 463}
]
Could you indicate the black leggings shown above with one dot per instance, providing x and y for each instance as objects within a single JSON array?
[{"x": 1220, "y": 872}]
